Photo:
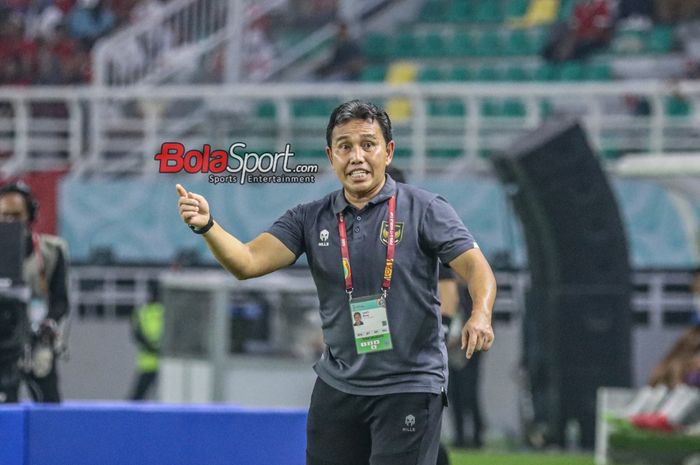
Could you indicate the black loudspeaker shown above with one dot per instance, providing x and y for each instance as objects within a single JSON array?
[{"x": 578, "y": 314}]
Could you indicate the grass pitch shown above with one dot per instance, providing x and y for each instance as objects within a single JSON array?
[{"x": 485, "y": 458}]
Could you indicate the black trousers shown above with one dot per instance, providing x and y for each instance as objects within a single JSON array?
[
  {"x": 464, "y": 401},
  {"x": 394, "y": 429},
  {"x": 142, "y": 384},
  {"x": 41, "y": 389}
]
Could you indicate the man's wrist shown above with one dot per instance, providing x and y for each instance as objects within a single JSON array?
[{"x": 204, "y": 229}]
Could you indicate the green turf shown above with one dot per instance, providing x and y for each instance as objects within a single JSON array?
[{"x": 479, "y": 458}]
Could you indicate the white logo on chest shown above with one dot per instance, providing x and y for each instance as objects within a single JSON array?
[{"x": 323, "y": 235}]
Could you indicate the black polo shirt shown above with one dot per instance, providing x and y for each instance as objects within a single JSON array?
[{"x": 427, "y": 229}]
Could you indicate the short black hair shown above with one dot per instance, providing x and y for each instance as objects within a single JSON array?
[
  {"x": 30, "y": 202},
  {"x": 356, "y": 109}
]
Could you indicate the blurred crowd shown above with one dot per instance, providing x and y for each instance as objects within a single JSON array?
[{"x": 49, "y": 41}]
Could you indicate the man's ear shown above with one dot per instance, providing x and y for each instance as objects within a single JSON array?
[
  {"x": 390, "y": 151},
  {"x": 329, "y": 155}
]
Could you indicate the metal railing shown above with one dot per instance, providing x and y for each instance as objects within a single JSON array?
[{"x": 86, "y": 128}]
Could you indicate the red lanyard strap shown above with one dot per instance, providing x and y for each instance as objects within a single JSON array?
[{"x": 390, "y": 249}]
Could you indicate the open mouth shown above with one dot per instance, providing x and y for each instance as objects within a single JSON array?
[{"x": 358, "y": 175}]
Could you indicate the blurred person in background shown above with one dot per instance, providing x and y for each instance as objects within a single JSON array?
[
  {"x": 590, "y": 28},
  {"x": 147, "y": 330},
  {"x": 347, "y": 60},
  {"x": 45, "y": 271},
  {"x": 387, "y": 391},
  {"x": 681, "y": 365}
]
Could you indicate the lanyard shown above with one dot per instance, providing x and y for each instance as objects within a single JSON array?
[
  {"x": 345, "y": 252},
  {"x": 40, "y": 262}
]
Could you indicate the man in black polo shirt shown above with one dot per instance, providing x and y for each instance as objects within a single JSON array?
[{"x": 381, "y": 386}]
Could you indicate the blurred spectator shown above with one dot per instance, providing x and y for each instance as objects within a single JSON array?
[
  {"x": 347, "y": 60},
  {"x": 635, "y": 8},
  {"x": 147, "y": 329},
  {"x": 674, "y": 11},
  {"x": 682, "y": 363},
  {"x": 589, "y": 29},
  {"x": 259, "y": 53},
  {"x": 90, "y": 21},
  {"x": 637, "y": 105}
]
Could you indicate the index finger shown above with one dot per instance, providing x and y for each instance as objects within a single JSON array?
[{"x": 182, "y": 192}]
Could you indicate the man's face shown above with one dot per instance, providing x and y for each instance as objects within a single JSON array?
[
  {"x": 358, "y": 318},
  {"x": 13, "y": 208},
  {"x": 359, "y": 156}
]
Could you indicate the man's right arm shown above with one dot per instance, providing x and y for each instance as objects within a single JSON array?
[{"x": 262, "y": 255}]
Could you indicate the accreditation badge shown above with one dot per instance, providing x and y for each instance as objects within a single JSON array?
[{"x": 370, "y": 324}]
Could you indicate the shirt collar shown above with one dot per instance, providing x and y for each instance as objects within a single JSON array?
[{"x": 339, "y": 203}]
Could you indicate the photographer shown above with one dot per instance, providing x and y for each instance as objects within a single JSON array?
[{"x": 45, "y": 272}]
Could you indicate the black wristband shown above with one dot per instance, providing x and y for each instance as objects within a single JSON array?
[{"x": 205, "y": 228}]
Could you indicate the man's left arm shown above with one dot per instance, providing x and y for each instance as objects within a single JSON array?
[{"x": 473, "y": 268}]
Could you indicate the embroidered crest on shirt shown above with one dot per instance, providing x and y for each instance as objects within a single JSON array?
[{"x": 384, "y": 233}]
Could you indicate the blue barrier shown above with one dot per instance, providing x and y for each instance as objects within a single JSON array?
[
  {"x": 12, "y": 435},
  {"x": 134, "y": 434}
]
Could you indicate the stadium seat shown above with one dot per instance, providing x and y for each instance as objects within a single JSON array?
[
  {"x": 516, "y": 43},
  {"x": 266, "y": 110},
  {"x": 402, "y": 152},
  {"x": 459, "y": 73},
  {"x": 516, "y": 8},
  {"x": 451, "y": 107},
  {"x": 598, "y": 72},
  {"x": 404, "y": 45},
  {"x": 486, "y": 73},
  {"x": 546, "y": 72},
  {"x": 444, "y": 153},
  {"x": 488, "y": 11},
  {"x": 516, "y": 74},
  {"x": 430, "y": 74},
  {"x": 375, "y": 46},
  {"x": 571, "y": 71},
  {"x": 433, "y": 11},
  {"x": 490, "y": 108},
  {"x": 660, "y": 40},
  {"x": 566, "y": 10},
  {"x": 677, "y": 106},
  {"x": 374, "y": 73},
  {"x": 513, "y": 108},
  {"x": 460, "y": 11},
  {"x": 432, "y": 45},
  {"x": 462, "y": 44},
  {"x": 488, "y": 43},
  {"x": 628, "y": 42}
]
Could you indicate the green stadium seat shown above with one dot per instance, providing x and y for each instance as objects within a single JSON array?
[
  {"x": 375, "y": 46},
  {"x": 266, "y": 110},
  {"x": 571, "y": 71},
  {"x": 513, "y": 108},
  {"x": 486, "y": 73},
  {"x": 444, "y": 153},
  {"x": 433, "y": 11},
  {"x": 536, "y": 40},
  {"x": 460, "y": 11},
  {"x": 488, "y": 11},
  {"x": 628, "y": 42},
  {"x": 516, "y": 74},
  {"x": 402, "y": 152},
  {"x": 374, "y": 73},
  {"x": 430, "y": 74},
  {"x": 516, "y": 8},
  {"x": 677, "y": 106},
  {"x": 454, "y": 108},
  {"x": 516, "y": 43},
  {"x": 598, "y": 72},
  {"x": 433, "y": 45},
  {"x": 488, "y": 44},
  {"x": 546, "y": 72},
  {"x": 404, "y": 45},
  {"x": 459, "y": 73},
  {"x": 660, "y": 40},
  {"x": 462, "y": 44},
  {"x": 490, "y": 108}
]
